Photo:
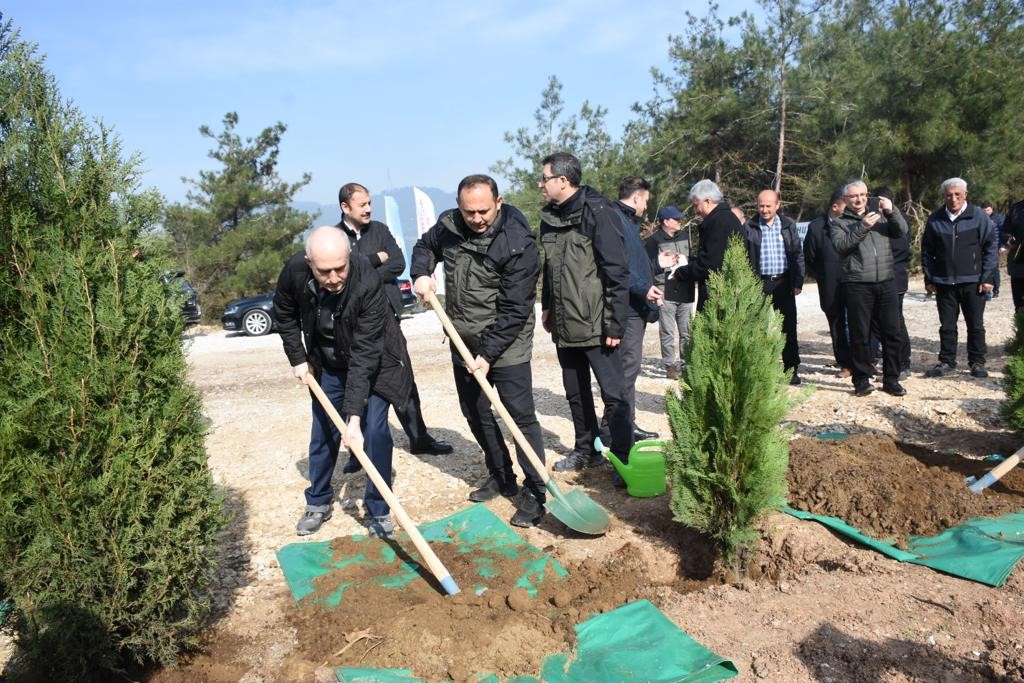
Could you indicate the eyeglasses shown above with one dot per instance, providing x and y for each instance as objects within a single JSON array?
[
  {"x": 859, "y": 194},
  {"x": 545, "y": 178}
]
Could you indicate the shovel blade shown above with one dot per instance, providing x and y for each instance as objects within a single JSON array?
[{"x": 576, "y": 510}]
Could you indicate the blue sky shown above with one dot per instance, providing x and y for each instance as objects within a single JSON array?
[{"x": 390, "y": 94}]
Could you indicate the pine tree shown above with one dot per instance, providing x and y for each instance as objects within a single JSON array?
[
  {"x": 108, "y": 511},
  {"x": 238, "y": 227},
  {"x": 728, "y": 458},
  {"x": 1013, "y": 380}
]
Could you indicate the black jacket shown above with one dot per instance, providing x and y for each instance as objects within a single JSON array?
[
  {"x": 959, "y": 252},
  {"x": 377, "y": 237},
  {"x": 586, "y": 275},
  {"x": 791, "y": 243},
  {"x": 490, "y": 282},
  {"x": 367, "y": 338},
  {"x": 823, "y": 262},
  {"x": 714, "y": 233},
  {"x": 675, "y": 290},
  {"x": 641, "y": 275}
]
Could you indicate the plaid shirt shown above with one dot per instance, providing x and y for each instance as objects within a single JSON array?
[{"x": 773, "y": 249}]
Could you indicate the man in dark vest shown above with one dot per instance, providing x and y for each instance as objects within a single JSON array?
[{"x": 491, "y": 265}]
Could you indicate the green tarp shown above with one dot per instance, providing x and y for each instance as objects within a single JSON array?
[
  {"x": 635, "y": 642},
  {"x": 478, "y": 530},
  {"x": 982, "y": 550}
]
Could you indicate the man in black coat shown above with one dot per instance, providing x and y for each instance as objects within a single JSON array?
[
  {"x": 825, "y": 265},
  {"x": 718, "y": 225},
  {"x": 775, "y": 254},
  {"x": 335, "y": 324},
  {"x": 374, "y": 240},
  {"x": 491, "y": 266}
]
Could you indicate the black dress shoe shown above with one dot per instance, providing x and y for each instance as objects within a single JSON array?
[
  {"x": 643, "y": 434},
  {"x": 352, "y": 465},
  {"x": 432, "y": 448},
  {"x": 492, "y": 488},
  {"x": 862, "y": 389}
]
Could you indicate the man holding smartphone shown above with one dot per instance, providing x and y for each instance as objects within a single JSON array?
[{"x": 862, "y": 235}]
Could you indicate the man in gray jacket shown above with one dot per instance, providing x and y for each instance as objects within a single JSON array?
[{"x": 862, "y": 236}]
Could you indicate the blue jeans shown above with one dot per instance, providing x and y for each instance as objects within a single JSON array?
[{"x": 325, "y": 440}]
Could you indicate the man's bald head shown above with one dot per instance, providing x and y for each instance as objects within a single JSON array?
[
  {"x": 327, "y": 253},
  {"x": 768, "y": 205}
]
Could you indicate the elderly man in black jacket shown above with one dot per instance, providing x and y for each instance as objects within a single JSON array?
[
  {"x": 491, "y": 265},
  {"x": 775, "y": 253},
  {"x": 336, "y": 324},
  {"x": 713, "y": 236},
  {"x": 374, "y": 240}
]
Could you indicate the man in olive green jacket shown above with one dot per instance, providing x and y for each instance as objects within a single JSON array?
[
  {"x": 584, "y": 300},
  {"x": 491, "y": 265}
]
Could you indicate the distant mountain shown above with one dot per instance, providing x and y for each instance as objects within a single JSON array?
[{"x": 330, "y": 214}]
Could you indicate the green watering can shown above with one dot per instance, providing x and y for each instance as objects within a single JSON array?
[{"x": 645, "y": 473}]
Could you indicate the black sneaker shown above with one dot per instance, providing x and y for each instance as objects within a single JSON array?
[
  {"x": 312, "y": 519},
  {"x": 492, "y": 488},
  {"x": 894, "y": 388},
  {"x": 529, "y": 510},
  {"x": 862, "y": 389},
  {"x": 577, "y": 461},
  {"x": 941, "y": 370}
]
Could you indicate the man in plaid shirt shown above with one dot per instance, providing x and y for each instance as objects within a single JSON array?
[{"x": 775, "y": 252}]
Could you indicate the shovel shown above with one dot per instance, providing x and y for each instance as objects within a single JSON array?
[
  {"x": 575, "y": 509},
  {"x": 433, "y": 563},
  {"x": 978, "y": 485}
]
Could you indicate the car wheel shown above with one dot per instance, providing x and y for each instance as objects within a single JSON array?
[{"x": 256, "y": 323}]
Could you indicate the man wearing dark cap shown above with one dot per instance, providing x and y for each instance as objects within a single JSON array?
[{"x": 670, "y": 244}]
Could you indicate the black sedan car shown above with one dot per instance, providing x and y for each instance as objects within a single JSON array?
[
  {"x": 177, "y": 285},
  {"x": 252, "y": 315}
]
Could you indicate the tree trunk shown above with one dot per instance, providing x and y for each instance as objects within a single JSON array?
[{"x": 782, "y": 124}]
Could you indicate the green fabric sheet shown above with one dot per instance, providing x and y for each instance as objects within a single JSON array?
[
  {"x": 478, "y": 529},
  {"x": 634, "y": 643},
  {"x": 982, "y": 550}
]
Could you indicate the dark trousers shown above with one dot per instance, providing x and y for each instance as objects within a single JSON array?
[
  {"x": 1017, "y": 290},
  {"x": 577, "y": 362},
  {"x": 867, "y": 301},
  {"x": 514, "y": 384},
  {"x": 324, "y": 442},
  {"x": 876, "y": 343},
  {"x": 950, "y": 300},
  {"x": 784, "y": 301},
  {"x": 839, "y": 331},
  {"x": 632, "y": 350}
]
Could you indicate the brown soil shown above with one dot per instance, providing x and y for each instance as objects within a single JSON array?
[
  {"x": 504, "y": 629},
  {"x": 891, "y": 491}
]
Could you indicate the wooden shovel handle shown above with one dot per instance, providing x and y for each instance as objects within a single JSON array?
[
  {"x": 433, "y": 563},
  {"x": 492, "y": 395}
]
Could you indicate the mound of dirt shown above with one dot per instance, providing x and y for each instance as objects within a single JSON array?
[
  {"x": 890, "y": 490},
  {"x": 503, "y": 629}
]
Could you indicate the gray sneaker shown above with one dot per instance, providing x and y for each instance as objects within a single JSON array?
[
  {"x": 380, "y": 527},
  {"x": 312, "y": 519},
  {"x": 577, "y": 461}
]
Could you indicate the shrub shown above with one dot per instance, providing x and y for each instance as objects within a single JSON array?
[
  {"x": 728, "y": 458},
  {"x": 107, "y": 507}
]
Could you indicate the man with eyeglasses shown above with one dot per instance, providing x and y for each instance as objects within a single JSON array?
[
  {"x": 583, "y": 304},
  {"x": 959, "y": 258},
  {"x": 336, "y": 324},
  {"x": 863, "y": 235}
]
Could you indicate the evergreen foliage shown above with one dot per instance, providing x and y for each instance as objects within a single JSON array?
[
  {"x": 238, "y": 227},
  {"x": 1013, "y": 377},
  {"x": 107, "y": 507},
  {"x": 728, "y": 458}
]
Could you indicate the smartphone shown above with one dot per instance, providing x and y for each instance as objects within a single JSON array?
[{"x": 873, "y": 205}]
